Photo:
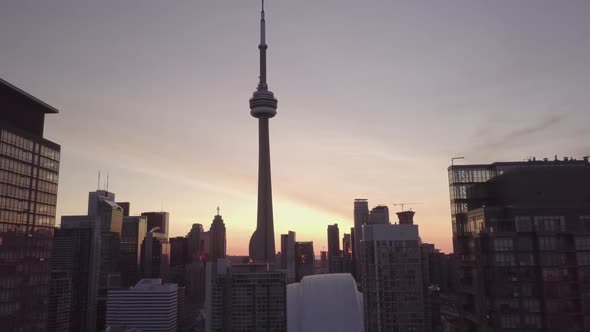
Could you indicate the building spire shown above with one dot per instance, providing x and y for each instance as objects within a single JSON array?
[{"x": 262, "y": 86}]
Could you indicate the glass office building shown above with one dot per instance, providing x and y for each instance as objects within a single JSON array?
[{"x": 29, "y": 167}]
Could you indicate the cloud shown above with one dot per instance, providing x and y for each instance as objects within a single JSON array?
[{"x": 519, "y": 134}]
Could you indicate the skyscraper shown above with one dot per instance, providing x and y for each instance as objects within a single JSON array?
[
  {"x": 304, "y": 260},
  {"x": 521, "y": 232},
  {"x": 150, "y": 305},
  {"x": 245, "y": 297},
  {"x": 361, "y": 217},
  {"x": 333, "y": 245},
  {"x": 288, "y": 255},
  {"x": 194, "y": 242},
  {"x": 29, "y": 167},
  {"x": 157, "y": 219},
  {"x": 132, "y": 235},
  {"x": 379, "y": 215},
  {"x": 217, "y": 242},
  {"x": 263, "y": 106},
  {"x": 155, "y": 256},
  {"x": 346, "y": 245},
  {"x": 75, "y": 261},
  {"x": 392, "y": 278}
]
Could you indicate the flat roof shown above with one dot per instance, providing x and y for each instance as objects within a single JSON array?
[{"x": 44, "y": 106}]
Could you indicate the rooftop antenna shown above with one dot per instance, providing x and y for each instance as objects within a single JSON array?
[
  {"x": 98, "y": 184},
  {"x": 107, "y": 189},
  {"x": 455, "y": 158},
  {"x": 218, "y": 210}
]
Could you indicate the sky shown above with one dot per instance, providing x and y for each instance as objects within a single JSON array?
[{"x": 375, "y": 97}]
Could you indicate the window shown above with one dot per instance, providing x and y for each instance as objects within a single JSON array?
[
  {"x": 583, "y": 258},
  {"x": 504, "y": 259},
  {"x": 582, "y": 243},
  {"x": 523, "y": 224},
  {"x": 503, "y": 244},
  {"x": 550, "y": 223},
  {"x": 547, "y": 243},
  {"x": 509, "y": 321},
  {"x": 526, "y": 260},
  {"x": 533, "y": 321}
]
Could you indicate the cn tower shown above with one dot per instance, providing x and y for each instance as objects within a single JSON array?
[{"x": 263, "y": 106}]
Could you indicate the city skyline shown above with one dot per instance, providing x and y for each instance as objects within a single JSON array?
[{"x": 485, "y": 79}]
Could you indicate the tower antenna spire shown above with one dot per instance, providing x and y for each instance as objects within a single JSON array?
[{"x": 262, "y": 86}]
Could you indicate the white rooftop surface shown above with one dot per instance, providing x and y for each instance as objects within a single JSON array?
[
  {"x": 325, "y": 303},
  {"x": 390, "y": 232}
]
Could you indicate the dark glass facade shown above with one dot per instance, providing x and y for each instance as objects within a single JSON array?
[
  {"x": 29, "y": 167},
  {"x": 304, "y": 260},
  {"x": 132, "y": 235},
  {"x": 519, "y": 236}
]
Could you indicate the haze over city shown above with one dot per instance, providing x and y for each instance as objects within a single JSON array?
[{"x": 374, "y": 99}]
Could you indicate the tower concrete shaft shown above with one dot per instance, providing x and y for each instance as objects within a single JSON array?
[{"x": 263, "y": 106}]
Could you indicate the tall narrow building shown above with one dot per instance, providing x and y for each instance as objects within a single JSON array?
[
  {"x": 132, "y": 235},
  {"x": 263, "y": 106},
  {"x": 393, "y": 289},
  {"x": 29, "y": 167},
  {"x": 361, "y": 217},
  {"x": 217, "y": 243},
  {"x": 333, "y": 246}
]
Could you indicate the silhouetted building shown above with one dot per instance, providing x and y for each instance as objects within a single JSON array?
[
  {"x": 194, "y": 242},
  {"x": 179, "y": 258},
  {"x": 288, "y": 255},
  {"x": 333, "y": 245},
  {"x": 75, "y": 273},
  {"x": 132, "y": 235},
  {"x": 60, "y": 297},
  {"x": 406, "y": 217},
  {"x": 157, "y": 219},
  {"x": 379, "y": 215},
  {"x": 304, "y": 260},
  {"x": 361, "y": 217},
  {"x": 217, "y": 242},
  {"x": 323, "y": 268},
  {"x": 151, "y": 305},
  {"x": 155, "y": 256},
  {"x": 179, "y": 255},
  {"x": 346, "y": 245},
  {"x": 392, "y": 278},
  {"x": 126, "y": 206},
  {"x": 29, "y": 167},
  {"x": 248, "y": 297},
  {"x": 521, "y": 231}
]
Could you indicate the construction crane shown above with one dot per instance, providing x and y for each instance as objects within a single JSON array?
[{"x": 405, "y": 203}]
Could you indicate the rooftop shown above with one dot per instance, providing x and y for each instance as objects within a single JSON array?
[{"x": 43, "y": 107}]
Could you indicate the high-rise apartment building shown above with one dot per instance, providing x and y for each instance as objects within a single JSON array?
[
  {"x": 346, "y": 245},
  {"x": 155, "y": 256},
  {"x": 217, "y": 240},
  {"x": 132, "y": 235},
  {"x": 393, "y": 289},
  {"x": 248, "y": 297},
  {"x": 304, "y": 260},
  {"x": 179, "y": 255},
  {"x": 29, "y": 167},
  {"x": 361, "y": 217},
  {"x": 158, "y": 219},
  {"x": 521, "y": 231},
  {"x": 333, "y": 246},
  {"x": 75, "y": 264},
  {"x": 288, "y": 255},
  {"x": 194, "y": 242},
  {"x": 150, "y": 305},
  {"x": 379, "y": 215}
]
